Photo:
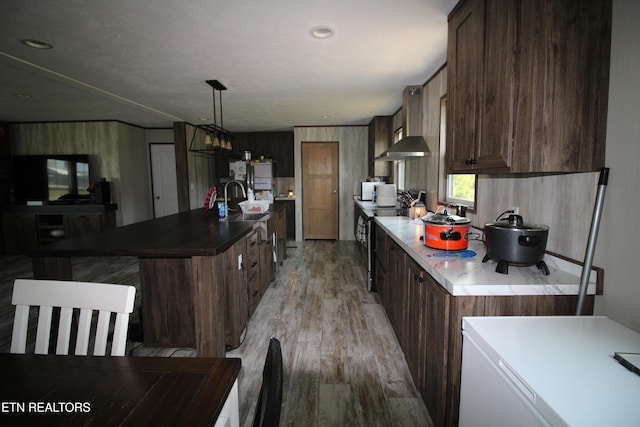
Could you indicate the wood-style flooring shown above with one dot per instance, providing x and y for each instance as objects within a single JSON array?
[{"x": 342, "y": 363}]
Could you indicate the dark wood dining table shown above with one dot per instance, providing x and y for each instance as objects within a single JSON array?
[{"x": 105, "y": 391}]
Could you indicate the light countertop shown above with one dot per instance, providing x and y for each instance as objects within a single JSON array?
[{"x": 470, "y": 276}]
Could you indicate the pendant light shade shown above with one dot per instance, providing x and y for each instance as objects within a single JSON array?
[{"x": 217, "y": 140}]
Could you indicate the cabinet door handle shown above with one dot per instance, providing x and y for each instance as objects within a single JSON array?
[
  {"x": 254, "y": 243},
  {"x": 254, "y": 263},
  {"x": 470, "y": 162}
]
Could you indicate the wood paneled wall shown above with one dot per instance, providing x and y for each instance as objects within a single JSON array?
[
  {"x": 195, "y": 171},
  {"x": 352, "y": 159},
  {"x": 117, "y": 152},
  {"x": 422, "y": 174},
  {"x": 563, "y": 202}
]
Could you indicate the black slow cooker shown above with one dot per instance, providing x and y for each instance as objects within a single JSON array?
[{"x": 512, "y": 241}]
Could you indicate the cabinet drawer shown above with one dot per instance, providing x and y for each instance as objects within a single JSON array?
[{"x": 253, "y": 250}]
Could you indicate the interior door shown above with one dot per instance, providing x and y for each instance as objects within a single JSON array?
[
  {"x": 320, "y": 190},
  {"x": 165, "y": 183}
]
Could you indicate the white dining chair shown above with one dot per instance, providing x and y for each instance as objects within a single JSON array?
[{"x": 68, "y": 295}]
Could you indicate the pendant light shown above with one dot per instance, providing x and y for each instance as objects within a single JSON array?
[{"x": 217, "y": 139}]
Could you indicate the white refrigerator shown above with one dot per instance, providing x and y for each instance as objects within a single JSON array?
[
  {"x": 258, "y": 174},
  {"x": 549, "y": 371}
]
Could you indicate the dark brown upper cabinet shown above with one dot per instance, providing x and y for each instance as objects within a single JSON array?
[
  {"x": 527, "y": 86},
  {"x": 380, "y": 138},
  {"x": 277, "y": 146}
]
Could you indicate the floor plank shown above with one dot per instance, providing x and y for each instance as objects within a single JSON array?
[{"x": 342, "y": 363}]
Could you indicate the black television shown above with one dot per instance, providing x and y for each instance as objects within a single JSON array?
[{"x": 63, "y": 178}]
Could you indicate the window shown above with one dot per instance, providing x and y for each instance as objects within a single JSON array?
[
  {"x": 398, "y": 165},
  {"x": 457, "y": 188}
]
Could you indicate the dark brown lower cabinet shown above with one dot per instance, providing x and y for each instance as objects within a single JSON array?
[
  {"x": 416, "y": 322},
  {"x": 432, "y": 385},
  {"x": 427, "y": 320},
  {"x": 396, "y": 291},
  {"x": 252, "y": 271}
]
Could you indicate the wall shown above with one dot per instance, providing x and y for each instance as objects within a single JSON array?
[
  {"x": 134, "y": 181},
  {"x": 112, "y": 146},
  {"x": 422, "y": 174},
  {"x": 352, "y": 158},
  {"x": 159, "y": 136},
  {"x": 566, "y": 202},
  {"x": 618, "y": 242},
  {"x": 200, "y": 168}
]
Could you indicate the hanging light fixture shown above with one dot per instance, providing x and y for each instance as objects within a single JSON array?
[{"x": 217, "y": 138}]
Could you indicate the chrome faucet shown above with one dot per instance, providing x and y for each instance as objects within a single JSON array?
[{"x": 226, "y": 205}]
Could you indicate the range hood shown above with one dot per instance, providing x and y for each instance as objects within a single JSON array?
[
  {"x": 413, "y": 145},
  {"x": 410, "y": 147}
]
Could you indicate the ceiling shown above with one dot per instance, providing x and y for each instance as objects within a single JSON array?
[{"x": 145, "y": 62}]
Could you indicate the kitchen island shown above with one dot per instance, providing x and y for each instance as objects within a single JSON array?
[
  {"x": 426, "y": 297},
  {"x": 186, "y": 261}
]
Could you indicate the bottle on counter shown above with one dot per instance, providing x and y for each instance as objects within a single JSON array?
[
  {"x": 222, "y": 210},
  {"x": 250, "y": 196}
]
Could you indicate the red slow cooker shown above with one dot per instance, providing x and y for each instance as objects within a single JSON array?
[{"x": 448, "y": 232}]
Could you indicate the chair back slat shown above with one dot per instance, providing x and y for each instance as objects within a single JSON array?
[
  {"x": 84, "y": 329},
  {"x": 20, "y": 326},
  {"x": 43, "y": 332},
  {"x": 119, "y": 343},
  {"x": 68, "y": 295},
  {"x": 64, "y": 330},
  {"x": 102, "y": 331}
]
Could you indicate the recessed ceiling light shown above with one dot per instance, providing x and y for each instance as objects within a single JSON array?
[
  {"x": 36, "y": 44},
  {"x": 325, "y": 116},
  {"x": 23, "y": 95},
  {"x": 322, "y": 32}
]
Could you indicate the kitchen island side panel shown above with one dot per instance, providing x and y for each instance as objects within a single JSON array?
[
  {"x": 52, "y": 268},
  {"x": 167, "y": 302},
  {"x": 210, "y": 293}
]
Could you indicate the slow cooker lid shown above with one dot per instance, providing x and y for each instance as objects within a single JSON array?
[
  {"x": 515, "y": 222},
  {"x": 440, "y": 219}
]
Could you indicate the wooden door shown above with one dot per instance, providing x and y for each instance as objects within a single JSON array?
[{"x": 320, "y": 190}]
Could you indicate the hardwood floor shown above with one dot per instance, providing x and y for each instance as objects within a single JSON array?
[{"x": 342, "y": 363}]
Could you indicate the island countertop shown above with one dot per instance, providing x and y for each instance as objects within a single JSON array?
[{"x": 193, "y": 233}]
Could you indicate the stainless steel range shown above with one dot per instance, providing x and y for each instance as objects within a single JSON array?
[{"x": 371, "y": 239}]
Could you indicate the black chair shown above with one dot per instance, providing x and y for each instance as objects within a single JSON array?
[{"x": 270, "y": 399}]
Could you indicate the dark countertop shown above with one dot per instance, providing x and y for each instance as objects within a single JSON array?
[
  {"x": 117, "y": 390},
  {"x": 193, "y": 233},
  {"x": 59, "y": 208}
]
